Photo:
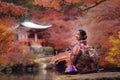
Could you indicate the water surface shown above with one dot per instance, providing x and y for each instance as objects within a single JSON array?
[{"x": 41, "y": 75}]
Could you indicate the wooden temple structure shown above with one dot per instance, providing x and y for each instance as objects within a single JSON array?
[{"x": 29, "y": 32}]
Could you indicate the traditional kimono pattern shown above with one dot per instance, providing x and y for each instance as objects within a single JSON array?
[
  {"x": 77, "y": 51},
  {"x": 83, "y": 58}
]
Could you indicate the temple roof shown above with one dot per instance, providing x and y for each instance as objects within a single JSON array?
[{"x": 35, "y": 26}]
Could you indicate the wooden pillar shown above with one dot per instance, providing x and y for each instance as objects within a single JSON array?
[
  {"x": 26, "y": 36},
  {"x": 19, "y": 36},
  {"x": 35, "y": 36},
  {"x": 22, "y": 36}
]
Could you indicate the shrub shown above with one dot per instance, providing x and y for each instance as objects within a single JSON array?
[{"x": 49, "y": 50}]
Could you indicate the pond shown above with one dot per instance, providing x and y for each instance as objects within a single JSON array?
[{"x": 41, "y": 75}]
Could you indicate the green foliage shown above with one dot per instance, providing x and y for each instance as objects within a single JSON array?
[
  {"x": 26, "y": 3},
  {"x": 49, "y": 50},
  {"x": 24, "y": 18},
  {"x": 41, "y": 8}
]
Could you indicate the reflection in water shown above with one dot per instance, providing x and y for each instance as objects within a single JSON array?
[{"x": 42, "y": 75}]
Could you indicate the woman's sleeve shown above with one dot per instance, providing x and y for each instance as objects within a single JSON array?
[
  {"x": 76, "y": 50},
  {"x": 75, "y": 54}
]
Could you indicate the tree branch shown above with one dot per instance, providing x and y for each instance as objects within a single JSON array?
[{"x": 96, "y": 4}]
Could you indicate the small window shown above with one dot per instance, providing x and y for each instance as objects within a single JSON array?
[
  {"x": 39, "y": 36},
  {"x": 31, "y": 35}
]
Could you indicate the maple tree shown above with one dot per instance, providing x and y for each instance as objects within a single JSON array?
[
  {"x": 101, "y": 20},
  {"x": 10, "y": 53},
  {"x": 25, "y": 3},
  {"x": 68, "y": 5},
  {"x": 11, "y": 9},
  {"x": 113, "y": 57},
  {"x": 7, "y": 11},
  {"x": 6, "y": 39},
  {"x": 104, "y": 22},
  {"x": 19, "y": 54}
]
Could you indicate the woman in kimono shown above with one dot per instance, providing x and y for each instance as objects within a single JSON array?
[
  {"x": 76, "y": 52},
  {"x": 83, "y": 58}
]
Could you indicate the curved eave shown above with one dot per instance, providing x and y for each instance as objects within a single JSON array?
[{"x": 35, "y": 26}]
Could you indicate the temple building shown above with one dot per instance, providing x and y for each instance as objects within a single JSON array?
[{"x": 30, "y": 32}]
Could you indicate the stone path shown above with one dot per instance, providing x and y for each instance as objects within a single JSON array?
[{"x": 91, "y": 76}]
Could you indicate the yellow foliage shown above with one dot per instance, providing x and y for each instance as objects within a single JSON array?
[
  {"x": 111, "y": 60},
  {"x": 36, "y": 60},
  {"x": 114, "y": 54},
  {"x": 6, "y": 38}
]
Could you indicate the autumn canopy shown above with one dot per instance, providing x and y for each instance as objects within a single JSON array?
[{"x": 100, "y": 19}]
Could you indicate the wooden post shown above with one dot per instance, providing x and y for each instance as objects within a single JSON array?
[
  {"x": 26, "y": 36},
  {"x": 20, "y": 36},
  {"x": 35, "y": 34}
]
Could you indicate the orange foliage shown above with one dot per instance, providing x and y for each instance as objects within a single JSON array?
[
  {"x": 103, "y": 62},
  {"x": 7, "y": 20},
  {"x": 104, "y": 22},
  {"x": 10, "y": 8},
  {"x": 87, "y": 1},
  {"x": 19, "y": 54},
  {"x": 48, "y": 3},
  {"x": 1, "y": 59},
  {"x": 56, "y": 4},
  {"x": 6, "y": 38},
  {"x": 100, "y": 22}
]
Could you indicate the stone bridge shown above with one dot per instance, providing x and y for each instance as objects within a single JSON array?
[{"x": 64, "y": 56}]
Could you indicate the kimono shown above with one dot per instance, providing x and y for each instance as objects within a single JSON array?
[
  {"x": 77, "y": 51},
  {"x": 74, "y": 56},
  {"x": 83, "y": 58}
]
